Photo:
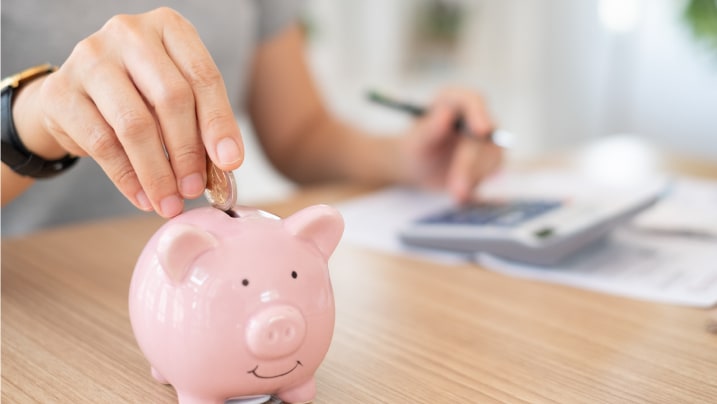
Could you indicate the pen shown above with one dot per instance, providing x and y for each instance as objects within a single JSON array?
[{"x": 500, "y": 137}]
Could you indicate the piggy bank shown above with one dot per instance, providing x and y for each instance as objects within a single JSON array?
[{"x": 227, "y": 307}]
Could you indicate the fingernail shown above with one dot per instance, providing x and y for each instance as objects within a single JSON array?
[
  {"x": 192, "y": 185},
  {"x": 170, "y": 206},
  {"x": 228, "y": 151},
  {"x": 143, "y": 201}
]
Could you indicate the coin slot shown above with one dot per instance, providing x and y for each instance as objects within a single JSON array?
[{"x": 231, "y": 213}]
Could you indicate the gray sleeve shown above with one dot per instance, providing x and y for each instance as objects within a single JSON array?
[{"x": 275, "y": 15}]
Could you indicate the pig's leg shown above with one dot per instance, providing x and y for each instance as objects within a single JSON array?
[
  {"x": 158, "y": 376},
  {"x": 304, "y": 393}
]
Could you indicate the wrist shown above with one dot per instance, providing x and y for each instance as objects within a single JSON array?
[
  {"x": 376, "y": 159},
  {"x": 392, "y": 161},
  {"x": 15, "y": 152},
  {"x": 29, "y": 124}
]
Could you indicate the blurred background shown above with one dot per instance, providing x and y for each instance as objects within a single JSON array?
[
  {"x": 614, "y": 82},
  {"x": 556, "y": 73}
]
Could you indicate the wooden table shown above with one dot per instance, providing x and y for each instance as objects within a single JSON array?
[{"x": 407, "y": 331}]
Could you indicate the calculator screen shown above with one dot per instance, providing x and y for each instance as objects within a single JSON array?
[{"x": 496, "y": 214}]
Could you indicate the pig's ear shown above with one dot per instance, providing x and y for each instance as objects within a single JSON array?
[
  {"x": 179, "y": 246},
  {"x": 321, "y": 224}
]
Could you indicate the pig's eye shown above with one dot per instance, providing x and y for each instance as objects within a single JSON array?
[
  {"x": 294, "y": 274},
  {"x": 245, "y": 282}
]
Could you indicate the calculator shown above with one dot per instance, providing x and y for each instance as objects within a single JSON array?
[{"x": 533, "y": 231}]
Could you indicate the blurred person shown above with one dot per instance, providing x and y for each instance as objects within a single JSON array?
[{"x": 149, "y": 92}]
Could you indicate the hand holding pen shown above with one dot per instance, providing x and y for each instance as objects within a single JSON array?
[
  {"x": 431, "y": 154},
  {"x": 500, "y": 137}
]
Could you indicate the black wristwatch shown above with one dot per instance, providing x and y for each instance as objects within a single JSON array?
[{"x": 14, "y": 153}]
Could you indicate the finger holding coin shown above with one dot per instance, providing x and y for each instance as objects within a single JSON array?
[{"x": 221, "y": 191}]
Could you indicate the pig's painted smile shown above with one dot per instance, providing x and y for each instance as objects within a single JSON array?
[{"x": 253, "y": 371}]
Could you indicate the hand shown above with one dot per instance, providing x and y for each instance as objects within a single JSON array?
[
  {"x": 434, "y": 155},
  {"x": 143, "y": 97}
]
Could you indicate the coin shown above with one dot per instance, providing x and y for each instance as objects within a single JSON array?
[{"x": 221, "y": 189}]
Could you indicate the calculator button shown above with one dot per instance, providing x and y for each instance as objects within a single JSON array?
[{"x": 501, "y": 215}]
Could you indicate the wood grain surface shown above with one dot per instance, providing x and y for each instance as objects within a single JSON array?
[{"x": 407, "y": 331}]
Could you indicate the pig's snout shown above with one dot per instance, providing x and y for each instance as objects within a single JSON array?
[{"x": 275, "y": 331}]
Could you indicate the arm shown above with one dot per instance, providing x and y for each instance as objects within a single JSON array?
[
  {"x": 13, "y": 184},
  {"x": 299, "y": 135},
  {"x": 23, "y": 112},
  {"x": 306, "y": 143}
]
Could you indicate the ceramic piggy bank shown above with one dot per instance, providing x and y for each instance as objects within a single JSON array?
[{"x": 226, "y": 307}]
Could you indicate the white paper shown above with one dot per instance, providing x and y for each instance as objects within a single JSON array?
[
  {"x": 690, "y": 208},
  {"x": 663, "y": 268},
  {"x": 633, "y": 262}
]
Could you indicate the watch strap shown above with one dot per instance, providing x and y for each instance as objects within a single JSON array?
[{"x": 14, "y": 153}]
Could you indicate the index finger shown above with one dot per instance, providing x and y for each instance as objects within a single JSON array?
[{"x": 217, "y": 125}]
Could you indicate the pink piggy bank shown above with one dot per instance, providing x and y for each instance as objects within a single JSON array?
[{"x": 226, "y": 307}]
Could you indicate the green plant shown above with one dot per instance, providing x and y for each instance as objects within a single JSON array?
[{"x": 701, "y": 16}]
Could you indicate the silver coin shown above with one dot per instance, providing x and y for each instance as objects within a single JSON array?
[{"x": 221, "y": 189}]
